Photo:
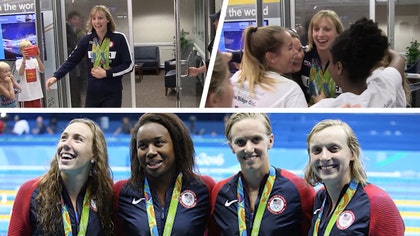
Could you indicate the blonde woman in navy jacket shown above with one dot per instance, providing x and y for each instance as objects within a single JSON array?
[
  {"x": 260, "y": 199},
  {"x": 108, "y": 58}
]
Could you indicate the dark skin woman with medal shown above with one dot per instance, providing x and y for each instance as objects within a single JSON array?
[
  {"x": 260, "y": 199},
  {"x": 73, "y": 197},
  {"x": 347, "y": 204},
  {"x": 164, "y": 195}
]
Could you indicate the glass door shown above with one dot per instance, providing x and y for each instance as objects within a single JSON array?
[
  {"x": 65, "y": 23},
  {"x": 348, "y": 11},
  {"x": 191, "y": 51}
]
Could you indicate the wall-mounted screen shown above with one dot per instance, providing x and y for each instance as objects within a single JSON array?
[
  {"x": 231, "y": 38},
  {"x": 15, "y": 28}
]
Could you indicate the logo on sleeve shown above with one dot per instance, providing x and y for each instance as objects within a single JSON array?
[
  {"x": 345, "y": 219},
  {"x": 188, "y": 199},
  {"x": 276, "y": 205}
]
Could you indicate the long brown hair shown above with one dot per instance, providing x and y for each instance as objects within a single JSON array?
[{"x": 99, "y": 181}]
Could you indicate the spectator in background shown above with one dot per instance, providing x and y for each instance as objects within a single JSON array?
[
  {"x": 8, "y": 92},
  {"x": 29, "y": 68},
  {"x": 234, "y": 57},
  {"x": 260, "y": 199},
  {"x": 40, "y": 127},
  {"x": 346, "y": 203},
  {"x": 21, "y": 126},
  {"x": 74, "y": 30},
  {"x": 298, "y": 59},
  {"x": 126, "y": 127},
  {"x": 220, "y": 92},
  {"x": 164, "y": 195},
  {"x": 75, "y": 196},
  {"x": 2, "y": 126},
  {"x": 53, "y": 124},
  {"x": 78, "y": 81}
]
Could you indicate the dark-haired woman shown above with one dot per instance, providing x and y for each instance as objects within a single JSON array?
[
  {"x": 355, "y": 54},
  {"x": 163, "y": 195}
]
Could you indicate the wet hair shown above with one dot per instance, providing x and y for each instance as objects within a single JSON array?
[
  {"x": 327, "y": 14},
  {"x": 257, "y": 42},
  {"x": 234, "y": 118},
  {"x": 359, "y": 49},
  {"x": 100, "y": 183},
  {"x": 218, "y": 76},
  {"x": 111, "y": 26},
  {"x": 183, "y": 147},
  {"x": 356, "y": 166}
]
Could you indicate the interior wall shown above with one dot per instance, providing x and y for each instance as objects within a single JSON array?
[{"x": 154, "y": 24}]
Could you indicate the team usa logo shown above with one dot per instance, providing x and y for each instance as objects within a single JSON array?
[
  {"x": 188, "y": 199},
  {"x": 345, "y": 219},
  {"x": 276, "y": 205}
]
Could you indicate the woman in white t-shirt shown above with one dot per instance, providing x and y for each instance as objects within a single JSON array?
[
  {"x": 355, "y": 55},
  {"x": 268, "y": 55}
]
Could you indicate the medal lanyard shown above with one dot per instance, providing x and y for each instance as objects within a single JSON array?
[
  {"x": 172, "y": 208},
  {"x": 100, "y": 53},
  {"x": 83, "y": 221},
  {"x": 341, "y": 206},
  {"x": 261, "y": 205}
]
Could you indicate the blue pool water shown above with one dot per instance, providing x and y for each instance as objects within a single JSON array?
[{"x": 390, "y": 154}]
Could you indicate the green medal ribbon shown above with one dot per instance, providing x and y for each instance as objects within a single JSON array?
[
  {"x": 261, "y": 205},
  {"x": 172, "y": 208},
  {"x": 83, "y": 221},
  {"x": 101, "y": 53},
  {"x": 320, "y": 80},
  {"x": 340, "y": 207}
]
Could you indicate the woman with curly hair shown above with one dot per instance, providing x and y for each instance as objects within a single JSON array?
[
  {"x": 163, "y": 196},
  {"x": 74, "y": 196},
  {"x": 356, "y": 55}
]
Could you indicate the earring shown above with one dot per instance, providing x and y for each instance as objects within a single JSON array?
[{"x": 92, "y": 161}]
